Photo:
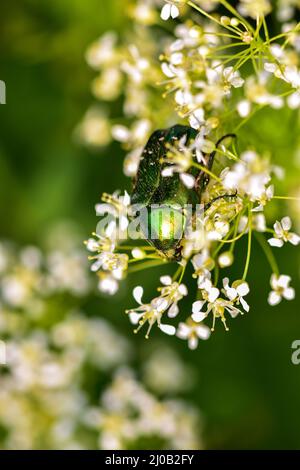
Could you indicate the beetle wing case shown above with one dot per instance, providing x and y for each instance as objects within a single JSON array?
[{"x": 151, "y": 189}]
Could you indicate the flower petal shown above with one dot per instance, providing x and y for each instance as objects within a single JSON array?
[
  {"x": 243, "y": 289},
  {"x": 198, "y": 316},
  {"x": 182, "y": 289},
  {"x": 174, "y": 11},
  {"x": 276, "y": 242},
  {"x": 138, "y": 294},
  {"x": 193, "y": 342},
  {"x": 167, "y": 329},
  {"x": 166, "y": 280},
  {"x": 173, "y": 311},
  {"x": 183, "y": 330},
  {"x": 213, "y": 294},
  {"x": 197, "y": 306},
  {"x": 166, "y": 12},
  {"x": 286, "y": 223},
  {"x": 283, "y": 281},
  {"x": 134, "y": 317},
  {"x": 289, "y": 293},
  {"x": 294, "y": 239},
  {"x": 274, "y": 298},
  {"x": 188, "y": 180},
  {"x": 244, "y": 304},
  {"x": 168, "y": 171},
  {"x": 203, "y": 331}
]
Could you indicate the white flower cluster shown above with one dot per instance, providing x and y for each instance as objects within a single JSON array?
[
  {"x": 128, "y": 411},
  {"x": 58, "y": 358},
  {"x": 216, "y": 73}
]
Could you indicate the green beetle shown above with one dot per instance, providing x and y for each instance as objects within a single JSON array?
[{"x": 164, "y": 197}]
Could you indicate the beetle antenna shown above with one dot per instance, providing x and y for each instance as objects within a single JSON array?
[
  {"x": 223, "y": 196},
  {"x": 203, "y": 179},
  {"x": 213, "y": 154}
]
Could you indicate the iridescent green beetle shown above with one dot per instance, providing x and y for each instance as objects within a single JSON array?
[{"x": 164, "y": 197}]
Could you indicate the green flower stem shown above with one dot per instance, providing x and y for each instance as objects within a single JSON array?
[
  {"x": 287, "y": 198},
  {"x": 268, "y": 252},
  {"x": 286, "y": 34},
  {"x": 266, "y": 30},
  {"x": 147, "y": 265},
  {"x": 240, "y": 55},
  {"x": 143, "y": 248},
  {"x": 236, "y": 13},
  {"x": 206, "y": 170},
  {"x": 136, "y": 260},
  {"x": 182, "y": 273},
  {"x": 210, "y": 17},
  {"x": 221, "y": 35},
  {"x": 250, "y": 116},
  {"x": 249, "y": 242},
  {"x": 253, "y": 113},
  {"x": 229, "y": 46},
  {"x": 231, "y": 249},
  {"x": 236, "y": 238},
  {"x": 177, "y": 273},
  {"x": 232, "y": 231},
  {"x": 216, "y": 272}
]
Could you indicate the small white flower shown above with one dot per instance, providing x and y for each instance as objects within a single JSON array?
[
  {"x": 169, "y": 10},
  {"x": 192, "y": 332},
  {"x": 293, "y": 100},
  {"x": 258, "y": 223},
  {"x": 251, "y": 176},
  {"x": 255, "y": 8},
  {"x": 244, "y": 108},
  {"x": 280, "y": 289},
  {"x": 105, "y": 243},
  {"x": 173, "y": 292},
  {"x": 225, "y": 259},
  {"x": 197, "y": 118},
  {"x": 283, "y": 234},
  {"x": 116, "y": 205},
  {"x": 116, "y": 263},
  {"x": 203, "y": 264},
  {"x": 232, "y": 78},
  {"x": 211, "y": 292},
  {"x": 138, "y": 253},
  {"x": 151, "y": 313},
  {"x": 202, "y": 145},
  {"x": 236, "y": 292},
  {"x": 188, "y": 180},
  {"x": 214, "y": 304},
  {"x": 216, "y": 227},
  {"x": 265, "y": 197},
  {"x": 107, "y": 284}
]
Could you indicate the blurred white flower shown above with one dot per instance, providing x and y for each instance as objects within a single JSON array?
[
  {"x": 170, "y": 9},
  {"x": 192, "y": 332},
  {"x": 283, "y": 234},
  {"x": 255, "y": 8},
  {"x": 280, "y": 289}
]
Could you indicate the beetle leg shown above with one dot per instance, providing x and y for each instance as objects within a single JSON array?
[{"x": 224, "y": 196}]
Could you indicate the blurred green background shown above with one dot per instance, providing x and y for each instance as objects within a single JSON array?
[{"x": 245, "y": 385}]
